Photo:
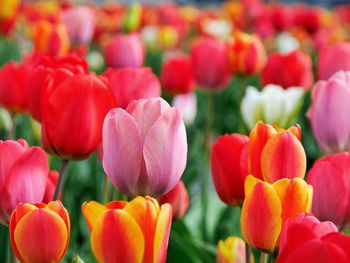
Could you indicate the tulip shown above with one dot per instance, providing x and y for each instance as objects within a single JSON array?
[
  {"x": 247, "y": 54},
  {"x": 178, "y": 199},
  {"x": 328, "y": 113},
  {"x": 266, "y": 207},
  {"x": 273, "y": 105},
  {"x": 23, "y": 176},
  {"x": 187, "y": 104},
  {"x": 8, "y": 9},
  {"x": 50, "y": 186},
  {"x": 132, "y": 18},
  {"x": 80, "y": 23},
  {"x": 40, "y": 232},
  {"x": 145, "y": 147},
  {"x": 332, "y": 59},
  {"x": 287, "y": 43},
  {"x": 307, "y": 17},
  {"x": 216, "y": 74},
  {"x": 132, "y": 84},
  {"x": 73, "y": 133},
  {"x": 177, "y": 75},
  {"x": 331, "y": 182},
  {"x": 294, "y": 70},
  {"x": 229, "y": 167},
  {"x": 12, "y": 85},
  {"x": 231, "y": 250},
  {"x": 51, "y": 39},
  {"x": 276, "y": 153},
  {"x": 125, "y": 51},
  {"x": 137, "y": 231}
]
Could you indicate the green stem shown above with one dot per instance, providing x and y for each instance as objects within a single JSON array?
[
  {"x": 106, "y": 190},
  {"x": 59, "y": 184},
  {"x": 263, "y": 257},
  {"x": 12, "y": 257},
  {"x": 241, "y": 125},
  {"x": 247, "y": 253},
  {"x": 205, "y": 175},
  {"x": 12, "y": 131}
]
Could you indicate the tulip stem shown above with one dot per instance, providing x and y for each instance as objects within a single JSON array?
[
  {"x": 59, "y": 184},
  {"x": 263, "y": 257},
  {"x": 12, "y": 256},
  {"x": 247, "y": 253},
  {"x": 106, "y": 190},
  {"x": 12, "y": 131}
]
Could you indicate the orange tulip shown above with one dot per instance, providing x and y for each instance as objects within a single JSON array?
[
  {"x": 137, "y": 231},
  {"x": 267, "y": 206},
  {"x": 40, "y": 232},
  {"x": 275, "y": 153}
]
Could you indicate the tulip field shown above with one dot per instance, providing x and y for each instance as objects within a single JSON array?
[{"x": 174, "y": 133}]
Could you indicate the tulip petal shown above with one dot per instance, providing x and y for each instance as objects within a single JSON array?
[
  {"x": 122, "y": 147},
  {"x": 251, "y": 107},
  {"x": 116, "y": 237},
  {"x": 165, "y": 153},
  {"x": 92, "y": 211}
]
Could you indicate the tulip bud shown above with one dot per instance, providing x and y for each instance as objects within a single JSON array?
[
  {"x": 144, "y": 147},
  {"x": 266, "y": 207},
  {"x": 23, "y": 178},
  {"x": 178, "y": 199},
  {"x": 273, "y": 105},
  {"x": 328, "y": 113},
  {"x": 247, "y": 54},
  {"x": 232, "y": 250},
  {"x": 187, "y": 104},
  {"x": 135, "y": 231},
  {"x": 125, "y": 51},
  {"x": 229, "y": 164},
  {"x": 40, "y": 232}
]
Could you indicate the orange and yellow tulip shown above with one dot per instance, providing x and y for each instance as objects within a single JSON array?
[
  {"x": 267, "y": 206},
  {"x": 40, "y": 232},
  {"x": 135, "y": 231},
  {"x": 232, "y": 250},
  {"x": 275, "y": 153}
]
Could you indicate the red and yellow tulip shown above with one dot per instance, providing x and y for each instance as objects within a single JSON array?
[
  {"x": 232, "y": 250},
  {"x": 267, "y": 206},
  {"x": 40, "y": 232},
  {"x": 135, "y": 231}
]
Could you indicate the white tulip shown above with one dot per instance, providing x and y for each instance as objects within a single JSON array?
[{"x": 286, "y": 43}]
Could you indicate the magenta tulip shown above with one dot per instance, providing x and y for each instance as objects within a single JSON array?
[
  {"x": 330, "y": 178},
  {"x": 329, "y": 113},
  {"x": 144, "y": 147},
  {"x": 23, "y": 176}
]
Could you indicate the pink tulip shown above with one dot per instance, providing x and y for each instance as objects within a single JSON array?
[
  {"x": 329, "y": 113},
  {"x": 210, "y": 63},
  {"x": 132, "y": 84},
  {"x": 330, "y": 178},
  {"x": 144, "y": 147},
  {"x": 332, "y": 59},
  {"x": 125, "y": 51},
  {"x": 23, "y": 176}
]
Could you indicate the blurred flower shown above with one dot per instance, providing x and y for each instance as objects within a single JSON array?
[
  {"x": 328, "y": 113},
  {"x": 229, "y": 167},
  {"x": 95, "y": 60},
  {"x": 51, "y": 39},
  {"x": 73, "y": 133},
  {"x": 178, "y": 199},
  {"x": 247, "y": 54},
  {"x": 145, "y": 147},
  {"x": 135, "y": 231},
  {"x": 177, "y": 75},
  {"x": 6, "y": 122},
  {"x": 273, "y": 105},
  {"x": 231, "y": 250},
  {"x": 40, "y": 232},
  {"x": 132, "y": 18},
  {"x": 125, "y": 51},
  {"x": 13, "y": 79},
  {"x": 216, "y": 27},
  {"x": 23, "y": 177},
  {"x": 332, "y": 59},
  {"x": 330, "y": 179},
  {"x": 130, "y": 84},
  {"x": 215, "y": 75},
  {"x": 288, "y": 70},
  {"x": 149, "y": 35},
  {"x": 168, "y": 37},
  {"x": 266, "y": 208},
  {"x": 287, "y": 43},
  {"x": 80, "y": 24},
  {"x": 307, "y": 17},
  {"x": 50, "y": 186},
  {"x": 187, "y": 104},
  {"x": 275, "y": 153},
  {"x": 8, "y": 9}
]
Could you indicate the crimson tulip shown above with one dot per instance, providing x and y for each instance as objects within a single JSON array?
[{"x": 50, "y": 186}]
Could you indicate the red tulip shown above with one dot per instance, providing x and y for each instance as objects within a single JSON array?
[
  {"x": 177, "y": 75},
  {"x": 229, "y": 167},
  {"x": 308, "y": 18},
  {"x": 125, "y": 51},
  {"x": 178, "y": 199},
  {"x": 73, "y": 110},
  {"x": 332, "y": 59},
  {"x": 294, "y": 69},
  {"x": 50, "y": 186},
  {"x": 210, "y": 63},
  {"x": 23, "y": 176},
  {"x": 13, "y": 79},
  {"x": 132, "y": 84}
]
